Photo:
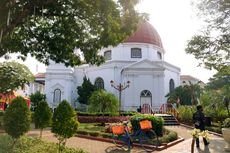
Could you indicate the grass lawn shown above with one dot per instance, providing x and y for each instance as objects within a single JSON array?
[
  {"x": 92, "y": 127},
  {"x": 31, "y": 145}
]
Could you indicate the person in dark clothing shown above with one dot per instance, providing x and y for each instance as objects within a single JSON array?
[
  {"x": 139, "y": 109},
  {"x": 199, "y": 121}
]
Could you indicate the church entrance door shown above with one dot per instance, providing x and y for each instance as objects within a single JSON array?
[{"x": 146, "y": 98}]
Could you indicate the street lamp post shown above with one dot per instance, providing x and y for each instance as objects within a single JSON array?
[{"x": 120, "y": 87}]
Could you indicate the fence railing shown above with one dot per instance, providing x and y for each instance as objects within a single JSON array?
[
  {"x": 163, "y": 109},
  {"x": 146, "y": 109},
  {"x": 168, "y": 109}
]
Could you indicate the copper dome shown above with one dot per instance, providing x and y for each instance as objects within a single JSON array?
[{"x": 145, "y": 33}]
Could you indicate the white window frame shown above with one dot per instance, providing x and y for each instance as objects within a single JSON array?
[{"x": 136, "y": 53}]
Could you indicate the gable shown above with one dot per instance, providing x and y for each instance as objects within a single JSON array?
[
  {"x": 57, "y": 86},
  {"x": 144, "y": 64}
]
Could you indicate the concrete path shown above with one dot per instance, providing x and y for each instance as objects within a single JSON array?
[{"x": 217, "y": 144}]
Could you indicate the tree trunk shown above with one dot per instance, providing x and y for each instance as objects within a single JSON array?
[{"x": 41, "y": 133}]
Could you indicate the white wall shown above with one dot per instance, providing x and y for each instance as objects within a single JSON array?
[
  {"x": 58, "y": 76},
  {"x": 123, "y": 51},
  {"x": 170, "y": 74}
]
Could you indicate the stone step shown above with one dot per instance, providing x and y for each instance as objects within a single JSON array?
[{"x": 168, "y": 119}]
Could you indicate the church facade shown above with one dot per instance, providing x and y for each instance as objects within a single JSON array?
[{"x": 139, "y": 61}]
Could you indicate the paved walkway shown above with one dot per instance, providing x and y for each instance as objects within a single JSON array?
[{"x": 217, "y": 144}]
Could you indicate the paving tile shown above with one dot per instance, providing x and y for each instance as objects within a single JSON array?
[{"x": 216, "y": 145}]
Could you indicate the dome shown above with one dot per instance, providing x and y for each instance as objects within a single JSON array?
[{"x": 145, "y": 33}]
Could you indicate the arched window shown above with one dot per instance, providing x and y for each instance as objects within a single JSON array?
[
  {"x": 159, "y": 55},
  {"x": 57, "y": 96},
  {"x": 136, "y": 53},
  {"x": 146, "y": 93},
  {"x": 99, "y": 83},
  {"x": 171, "y": 85},
  {"x": 107, "y": 55}
]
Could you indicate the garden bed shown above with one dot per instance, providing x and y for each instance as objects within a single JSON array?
[
  {"x": 159, "y": 148},
  {"x": 101, "y": 132},
  {"x": 102, "y": 119}
]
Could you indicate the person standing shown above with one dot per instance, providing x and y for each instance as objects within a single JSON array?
[{"x": 199, "y": 121}]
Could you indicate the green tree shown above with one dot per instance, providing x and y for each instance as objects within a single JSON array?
[
  {"x": 187, "y": 94},
  {"x": 85, "y": 90},
  {"x": 35, "y": 99},
  {"x": 102, "y": 101},
  {"x": 42, "y": 116},
  {"x": 181, "y": 93},
  {"x": 214, "y": 106},
  {"x": 64, "y": 123},
  {"x": 17, "y": 118},
  {"x": 212, "y": 46},
  {"x": 220, "y": 83},
  {"x": 13, "y": 76},
  {"x": 54, "y": 29},
  {"x": 220, "y": 80}
]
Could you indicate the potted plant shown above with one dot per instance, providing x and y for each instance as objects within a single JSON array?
[{"x": 226, "y": 132}]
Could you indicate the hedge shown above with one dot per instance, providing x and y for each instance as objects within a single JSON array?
[
  {"x": 102, "y": 119},
  {"x": 157, "y": 122},
  {"x": 106, "y": 114}
]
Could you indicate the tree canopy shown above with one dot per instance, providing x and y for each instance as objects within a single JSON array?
[
  {"x": 17, "y": 118},
  {"x": 187, "y": 94},
  {"x": 36, "y": 98},
  {"x": 103, "y": 101},
  {"x": 42, "y": 116},
  {"x": 220, "y": 80},
  {"x": 13, "y": 75},
  {"x": 56, "y": 29},
  {"x": 212, "y": 46},
  {"x": 85, "y": 90},
  {"x": 64, "y": 123}
]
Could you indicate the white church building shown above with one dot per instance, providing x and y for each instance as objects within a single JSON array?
[{"x": 139, "y": 59}]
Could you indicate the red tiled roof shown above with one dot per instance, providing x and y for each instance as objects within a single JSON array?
[
  {"x": 188, "y": 77},
  {"x": 40, "y": 75},
  {"x": 146, "y": 33}
]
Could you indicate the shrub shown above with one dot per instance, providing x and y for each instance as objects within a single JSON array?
[
  {"x": 105, "y": 114},
  {"x": 157, "y": 122},
  {"x": 169, "y": 137},
  {"x": 214, "y": 129},
  {"x": 106, "y": 135},
  {"x": 36, "y": 98},
  {"x": 185, "y": 113},
  {"x": 94, "y": 133},
  {"x": 32, "y": 145},
  {"x": 102, "y": 119},
  {"x": 102, "y": 101},
  {"x": 96, "y": 114},
  {"x": 85, "y": 90},
  {"x": 42, "y": 116},
  {"x": 17, "y": 118},
  {"x": 64, "y": 123},
  {"x": 226, "y": 123},
  {"x": 83, "y": 132}
]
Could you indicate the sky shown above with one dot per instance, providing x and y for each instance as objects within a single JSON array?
[{"x": 176, "y": 22}]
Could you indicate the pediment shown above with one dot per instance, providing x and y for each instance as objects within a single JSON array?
[
  {"x": 58, "y": 86},
  {"x": 145, "y": 64}
]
